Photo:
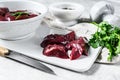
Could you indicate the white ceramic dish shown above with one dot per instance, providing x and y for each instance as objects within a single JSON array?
[
  {"x": 67, "y": 12},
  {"x": 31, "y": 47},
  {"x": 12, "y": 30}
]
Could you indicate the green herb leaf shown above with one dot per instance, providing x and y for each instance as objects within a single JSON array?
[
  {"x": 18, "y": 14},
  {"x": 107, "y": 36}
]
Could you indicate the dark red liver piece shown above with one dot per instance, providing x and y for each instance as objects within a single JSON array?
[
  {"x": 9, "y": 17},
  {"x": 2, "y": 18},
  {"x": 3, "y": 11},
  {"x": 58, "y": 45},
  {"x": 77, "y": 47},
  {"x": 55, "y": 50},
  {"x": 58, "y": 39},
  {"x": 15, "y": 15}
]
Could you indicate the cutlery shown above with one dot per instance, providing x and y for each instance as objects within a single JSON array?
[{"x": 21, "y": 58}]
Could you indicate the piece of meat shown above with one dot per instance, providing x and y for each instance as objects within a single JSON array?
[
  {"x": 52, "y": 39},
  {"x": 84, "y": 46},
  {"x": 9, "y": 17},
  {"x": 3, "y": 11},
  {"x": 69, "y": 37},
  {"x": 75, "y": 54},
  {"x": 77, "y": 48},
  {"x": 56, "y": 51},
  {"x": 58, "y": 39},
  {"x": 21, "y": 17},
  {"x": 32, "y": 15},
  {"x": 58, "y": 45},
  {"x": 2, "y": 18}
]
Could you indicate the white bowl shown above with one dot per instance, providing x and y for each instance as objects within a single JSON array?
[
  {"x": 12, "y": 30},
  {"x": 66, "y": 11}
]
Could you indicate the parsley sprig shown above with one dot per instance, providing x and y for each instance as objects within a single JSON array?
[
  {"x": 107, "y": 36},
  {"x": 18, "y": 14}
]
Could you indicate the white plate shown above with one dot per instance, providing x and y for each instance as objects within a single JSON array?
[{"x": 31, "y": 47}]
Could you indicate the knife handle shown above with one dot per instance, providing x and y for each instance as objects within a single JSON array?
[{"x": 3, "y": 51}]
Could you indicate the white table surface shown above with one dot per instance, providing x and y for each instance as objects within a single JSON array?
[{"x": 10, "y": 70}]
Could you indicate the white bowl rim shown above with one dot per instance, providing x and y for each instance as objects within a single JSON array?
[
  {"x": 79, "y": 6},
  {"x": 25, "y": 20}
]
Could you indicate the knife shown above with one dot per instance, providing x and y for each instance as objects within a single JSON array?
[{"x": 21, "y": 58}]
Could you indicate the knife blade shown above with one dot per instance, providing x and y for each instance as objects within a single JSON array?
[{"x": 24, "y": 59}]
